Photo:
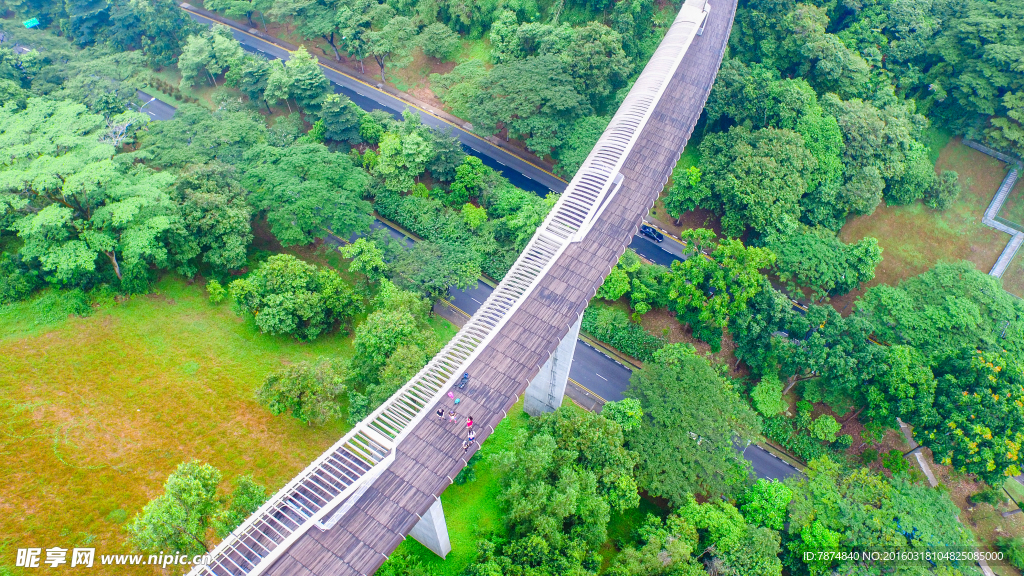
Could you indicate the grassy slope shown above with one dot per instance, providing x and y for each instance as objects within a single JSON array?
[{"x": 95, "y": 412}]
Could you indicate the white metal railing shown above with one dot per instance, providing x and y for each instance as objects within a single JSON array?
[{"x": 335, "y": 480}]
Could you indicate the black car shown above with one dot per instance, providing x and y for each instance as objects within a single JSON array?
[{"x": 651, "y": 232}]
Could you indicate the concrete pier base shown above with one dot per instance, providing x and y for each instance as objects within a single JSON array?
[
  {"x": 432, "y": 531},
  {"x": 545, "y": 392}
]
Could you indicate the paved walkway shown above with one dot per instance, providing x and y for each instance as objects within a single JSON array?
[{"x": 989, "y": 218}]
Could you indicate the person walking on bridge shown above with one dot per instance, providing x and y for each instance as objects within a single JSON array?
[
  {"x": 472, "y": 435},
  {"x": 440, "y": 413},
  {"x": 469, "y": 423},
  {"x": 451, "y": 416}
]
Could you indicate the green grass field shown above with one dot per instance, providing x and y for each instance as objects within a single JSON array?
[
  {"x": 95, "y": 412},
  {"x": 915, "y": 237}
]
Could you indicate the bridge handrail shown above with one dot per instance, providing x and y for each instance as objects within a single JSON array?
[{"x": 374, "y": 438}]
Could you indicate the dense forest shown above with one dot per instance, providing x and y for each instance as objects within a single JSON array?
[{"x": 821, "y": 112}]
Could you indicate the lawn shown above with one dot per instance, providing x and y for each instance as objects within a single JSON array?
[
  {"x": 914, "y": 238},
  {"x": 95, "y": 412},
  {"x": 1013, "y": 208}
]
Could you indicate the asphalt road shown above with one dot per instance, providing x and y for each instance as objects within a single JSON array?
[
  {"x": 518, "y": 171},
  {"x": 156, "y": 109}
]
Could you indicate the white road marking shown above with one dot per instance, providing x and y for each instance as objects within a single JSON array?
[
  {"x": 475, "y": 300},
  {"x": 601, "y": 377}
]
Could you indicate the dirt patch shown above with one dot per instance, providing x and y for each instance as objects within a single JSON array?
[
  {"x": 694, "y": 219},
  {"x": 663, "y": 323},
  {"x": 913, "y": 238}
]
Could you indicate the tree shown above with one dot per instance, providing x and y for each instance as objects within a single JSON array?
[
  {"x": 308, "y": 390},
  {"x": 687, "y": 193},
  {"x": 215, "y": 214},
  {"x": 78, "y": 204},
  {"x": 615, "y": 285},
  {"x": 241, "y": 9},
  {"x": 756, "y": 178},
  {"x": 546, "y": 500},
  {"x": 177, "y": 520},
  {"x": 430, "y": 268},
  {"x": 818, "y": 259},
  {"x": 279, "y": 84},
  {"x": 309, "y": 86},
  {"x": 341, "y": 119},
  {"x": 536, "y": 99},
  {"x": 949, "y": 307},
  {"x": 764, "y": 503},
  {"x": 288, "y": 296},
  {"x": 596, "y": 61},
  {"x": 197, "y": 136},
  {"x": 158, "y": 28},
  {"x": 391, "y": 346},
  {"x": 626, "y": 412},
  {"x": 195, "y": 55},
  {"x": 448, "y": 156},
  {"x": 469, "y": 181},
  {"x": 973, "y": 420},
  {"x": 575, "y": 148},
  {"x": 824, "y": 428},
  {"x": 403, "y": 155},
  {"x": 708, "y": 290},
  {"x": 316, "y": 19},
  {"x": 367, "y": 259},
  {"x": 767, "y": 395},
  {"x": 666, "y": 547},
  {"x": 354, "y": 24},
  {"x": 245, "y": 499},
  {"x": 944, "y": 192},
  {"x": 835, "y": 508},
  {"x": 691, "y": 415},
  {"x": 391, "y": 44},
  {"x": 734, "y": 546},
  {"x": 209, "y": 52},
  {"x": 305, "y": 190},
  {"x": 250, "y": 75},
  {"x": 473, "y": 216},
  {"x": 597, "y": 442},
  {"x": 440, "y": 42}
]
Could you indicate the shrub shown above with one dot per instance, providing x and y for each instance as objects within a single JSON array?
[
  {"x": 944, "y": 191},
  {"x": 843, "y": 442},
  {"x": 767, "y": 395},
  {"x": 308, "y": 390},
  {"x": 468, "y": 474},
  {"x": 216, "y": 292},
  {"x": 991, "y": 496},
  {"x": 627, "y": 412},
  {"x": 614, "y": 327},
  {"x": 288, "y": 296},
  {"x": 803, "y": 414},
  {"x": 869, "y": 456},
  {"x": 895, "y": 462},
  {"x": 824, "y": 428},
  {"x": 1013, "y": 551},
  {"x": 17, "y": 280}
]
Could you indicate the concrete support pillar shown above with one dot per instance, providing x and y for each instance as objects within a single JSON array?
[
  {"x": 545, "y": 393},
  {"x": 432, "y": 531}
]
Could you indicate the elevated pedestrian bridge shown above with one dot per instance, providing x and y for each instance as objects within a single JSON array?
[{"x": 349, "y": 509}]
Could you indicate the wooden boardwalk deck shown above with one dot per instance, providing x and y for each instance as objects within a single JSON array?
[{"x": 428, "y": 460}]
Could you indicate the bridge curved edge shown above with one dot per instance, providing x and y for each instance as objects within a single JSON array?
[{"x": 319, "y": 497}]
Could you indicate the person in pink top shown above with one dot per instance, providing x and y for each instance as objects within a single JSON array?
[{"x": 469, "y": 423}]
